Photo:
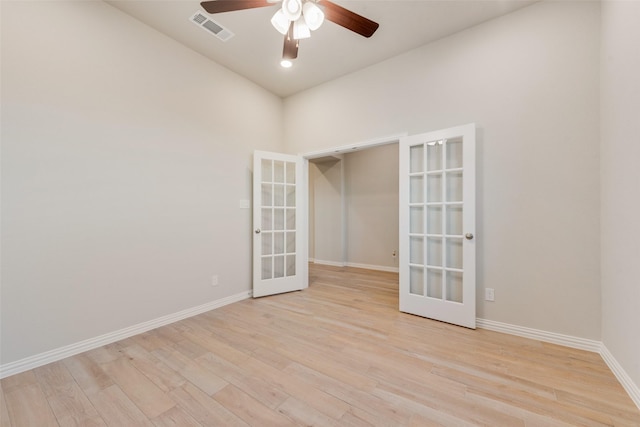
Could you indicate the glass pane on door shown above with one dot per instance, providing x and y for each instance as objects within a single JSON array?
[
  {"x": 278, "y": 266},
  {"x": 434, "y": 283},
  {"x": 278, "y": 243},
  {"x": 416, "y": 250},
  {"x": 291, "y": 219},
  {"x": 278, "y": 219},
  {"x": 434, "y": 219},
  {"x": 291, "y": 242},
  {"x": 267, "y": 194},
  {"x": 290, "y": 172},
  {"x": 267, "y": 219},
  {"x": 454, "y": 220},
  {"x": 454, "y": 153},
  {"x": 291, "y": 265},
  {"x": 267, "y": 243},
  {"x": 434, "y": 156},
  {"x": 416, "y": 220},
  {"x": 434, "y": 188},
  {"x": 416, "y": 192},
  {"x": 267, "y": 170},
  {"x": 278, "y": 195},
  {"x": 434, "y": 251},
  {"x": 278, "y": 171},
  {"x": 416, "y": 280},
  {"x": 454, "y": 286},
  {"x": 291, "y": 196},
  {"x": 454, "y": 186},
  {"x": 454, "y": 253},
  {"x": 416, "y": 155},
  {"x": 267, "y": 268}
]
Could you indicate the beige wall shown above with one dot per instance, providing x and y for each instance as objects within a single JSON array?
[
  {"x": 124, "y": 157},
  {"x": 371, "y": 181},
  {"x": 327, "y": 216},
  {"x": 353, "y": 208},
  {"x": 530, "y": 80},
  {"x": 620, "y": 153}
]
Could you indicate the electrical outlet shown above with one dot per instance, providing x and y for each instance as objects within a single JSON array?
[
  {"x": 214, "y": 280},
  {"x": 489, "y": 294},
  {"x": 394, "y": 254}
]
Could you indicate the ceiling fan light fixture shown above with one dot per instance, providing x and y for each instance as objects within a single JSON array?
[
  {"x": 313, "y": 15},
  {"x": 301, "y": 30},
  {"x": 292, "y": 9},
  {"x": 295, "y": 19},
  {"x": 280, "y": 22}
]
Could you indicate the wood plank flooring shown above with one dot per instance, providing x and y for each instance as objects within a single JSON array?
[{"x": 336, "y": 354}]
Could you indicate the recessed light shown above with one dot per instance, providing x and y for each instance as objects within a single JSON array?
[{"x": 286, "y": 63}]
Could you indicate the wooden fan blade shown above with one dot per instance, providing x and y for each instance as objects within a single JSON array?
[
  {"x": 347, "y": 19},
  {"x": 219, "y": 6},
  {"x": 290, "y": 50}
]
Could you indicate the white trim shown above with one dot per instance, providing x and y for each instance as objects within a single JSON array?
[
  {"x": 304, "y": 232},
  {"x": 50, "y": 356},
  {"x": 331, "y": 263},
  {"x": 627, "y": 383},
  {"x": 373, "y": 267},
  {"x": 343, "y": 210},
  {"x": 569, "y": 341},
  {"x": 354, "y": 265},
  {"x": 536, "y": 334},
  {"x": 390, "y": 139}
]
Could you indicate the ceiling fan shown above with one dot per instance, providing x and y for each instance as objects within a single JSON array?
[{"x": 296, "y": 18}]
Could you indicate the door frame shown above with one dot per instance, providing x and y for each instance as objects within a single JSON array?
[{"x": 342, "y": 149}]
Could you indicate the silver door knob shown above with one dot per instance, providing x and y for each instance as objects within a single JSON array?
[
  {"x": 468, "y": 236},
  {"x": 257, "y": 231}
]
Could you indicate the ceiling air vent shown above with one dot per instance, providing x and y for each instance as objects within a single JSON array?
[{"x": 202, "y": 21}]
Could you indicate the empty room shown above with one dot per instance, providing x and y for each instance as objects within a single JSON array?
[{"x": 330, "y": 213}]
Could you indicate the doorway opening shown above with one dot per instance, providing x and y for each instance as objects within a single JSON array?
[{"x": 353, "y": 201}]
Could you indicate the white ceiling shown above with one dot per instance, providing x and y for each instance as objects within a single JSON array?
[{"x": 332, "y": 51}]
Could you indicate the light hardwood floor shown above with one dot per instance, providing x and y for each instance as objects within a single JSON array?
[{"x": 336, "y": 354}]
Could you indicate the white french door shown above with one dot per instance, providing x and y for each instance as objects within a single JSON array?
[
  {"x": 437, "y": 225},
  {"x": 279, "y": 257}
]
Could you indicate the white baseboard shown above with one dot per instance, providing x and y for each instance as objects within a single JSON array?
[
  {"x": 627, "y": 383},
  {"x": 569, "y": 341},
  {"x": 41, "y": 359},
  {"x": 331, "y": 263},
  {"x": 536, "y": 334},
  {"x": 374, "y": 267},
  {"x": 355, "y": 265}
]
